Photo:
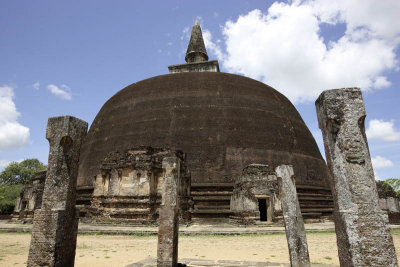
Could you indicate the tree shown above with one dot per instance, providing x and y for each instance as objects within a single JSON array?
[
  {"x": 12, "y": 180},
  {"x": 8, "y": 196},
  {"x": 20, "y": 173},
  {"x": 395, "y": 184}
]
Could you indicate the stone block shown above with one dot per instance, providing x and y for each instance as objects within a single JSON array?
[{"x": 53, "y": 240}]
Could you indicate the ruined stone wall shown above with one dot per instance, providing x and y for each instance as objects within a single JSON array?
[
  {"x": 30, "y": 198},
  {"x": 388, "y": 201},
  {"x": 129, "y": 185},
  {"x": 256, "y": 181}
]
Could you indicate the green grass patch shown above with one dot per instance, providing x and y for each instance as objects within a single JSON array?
[
  {"x": 395, "y": 231},
  {"x": 135, "y": 234},
  {"x": 14, "y": 232}
]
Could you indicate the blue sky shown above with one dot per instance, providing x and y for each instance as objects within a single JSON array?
[{"x": 69, "y": 57}]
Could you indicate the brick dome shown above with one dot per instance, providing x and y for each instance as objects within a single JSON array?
[{"x": 222, "y": 121}]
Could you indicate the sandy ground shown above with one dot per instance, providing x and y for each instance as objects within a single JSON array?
[{"x": 116, "y": 250}]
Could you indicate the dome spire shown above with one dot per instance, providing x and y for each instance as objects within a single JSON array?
[{"x": 196, "y": 51}]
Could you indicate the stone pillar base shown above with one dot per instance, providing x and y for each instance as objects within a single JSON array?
[
  {"x": 48, "y": 234},
  {"x": 168, "y": 237},
  {"x": 245, "y": 218},
  {"x": 378, "y": 246}
]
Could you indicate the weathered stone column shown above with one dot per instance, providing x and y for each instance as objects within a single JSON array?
[
  {"x": 55, "y": 225},
  {"x": 363, "y": 235},
  {"x": 167, "y": 249},
  {"x": 294, "y": 225}
]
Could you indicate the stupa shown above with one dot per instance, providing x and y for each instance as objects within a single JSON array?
[{"x": 221, "y": 121}]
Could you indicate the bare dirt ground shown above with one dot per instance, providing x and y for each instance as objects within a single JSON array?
[{"x": 118, "y": 250}]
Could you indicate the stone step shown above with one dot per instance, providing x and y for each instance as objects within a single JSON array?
[
  {"x": 327, "y": 198},
  {"x": 305, "y": 210},
  {"x": 124, "y": 211},
  {"x": 313, "y": 195},
  {"x": 86, "y": 195},
  {"x": 211, "y": 198},
  {"x": 128, "y": 201},
  {"x": 311, "y": 214},
  {"x": 217, "y": 207},
  {"x": 210, "y": 211},
  {"x": 202, "y": 185},
  {"x": 211, "y": 193},
  {"x": 316, "y": 206},
  {"x": 311, "y": 187}
]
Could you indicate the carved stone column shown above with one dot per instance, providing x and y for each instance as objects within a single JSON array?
[
  {"x": 167, "y": 249},
  {"x": 294, "y": 225},
  {"x": 55, "y": 225},
  {"x": 362, "y": 231}
]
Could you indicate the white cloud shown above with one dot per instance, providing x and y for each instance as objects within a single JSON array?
[
  {"x": 379, "y": 162},
  {"x": 211, "y": 46},
  {"x": 4, "y": 163},
  {"x": 383, "y": 130},
  {"x": 12, "y": 133},
  {"x": 381, "y": 82},
  {"x": 63, "y": 93},
  {"x": 185, "y": 33},
  {"x": 36, "y": 85},
  {"x": 285, "y": 49}
]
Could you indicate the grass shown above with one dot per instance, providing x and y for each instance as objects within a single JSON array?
[
  {"x": 14, "y": 233},
  {"x": 327, "y": 258},
  {"x": 395, "y": 231}
]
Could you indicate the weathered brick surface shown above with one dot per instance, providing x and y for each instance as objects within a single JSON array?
[
  {"x": 167, "y": 249},
  {"x": 55, "y": 225},
  {"x": 256, "y": 180},
  {"x": 294, "y": 224},
  {"x": 363, "y": 235}
]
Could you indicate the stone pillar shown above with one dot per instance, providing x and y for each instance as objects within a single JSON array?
[
  {"x": 294, "y": 225},
  {"x": 167, "y": 249},
  {"x": 362, "y": 231},
  {"x": 270, "y": 209},
  {"x": 55, "y": 225}
]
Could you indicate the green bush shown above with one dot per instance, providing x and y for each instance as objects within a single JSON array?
[{"x": 8, "y": 196}]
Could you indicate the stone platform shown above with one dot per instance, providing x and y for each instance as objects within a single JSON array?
[
  {"x": 193, "y": 229},
  {"x": 151, "y": 262}
]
